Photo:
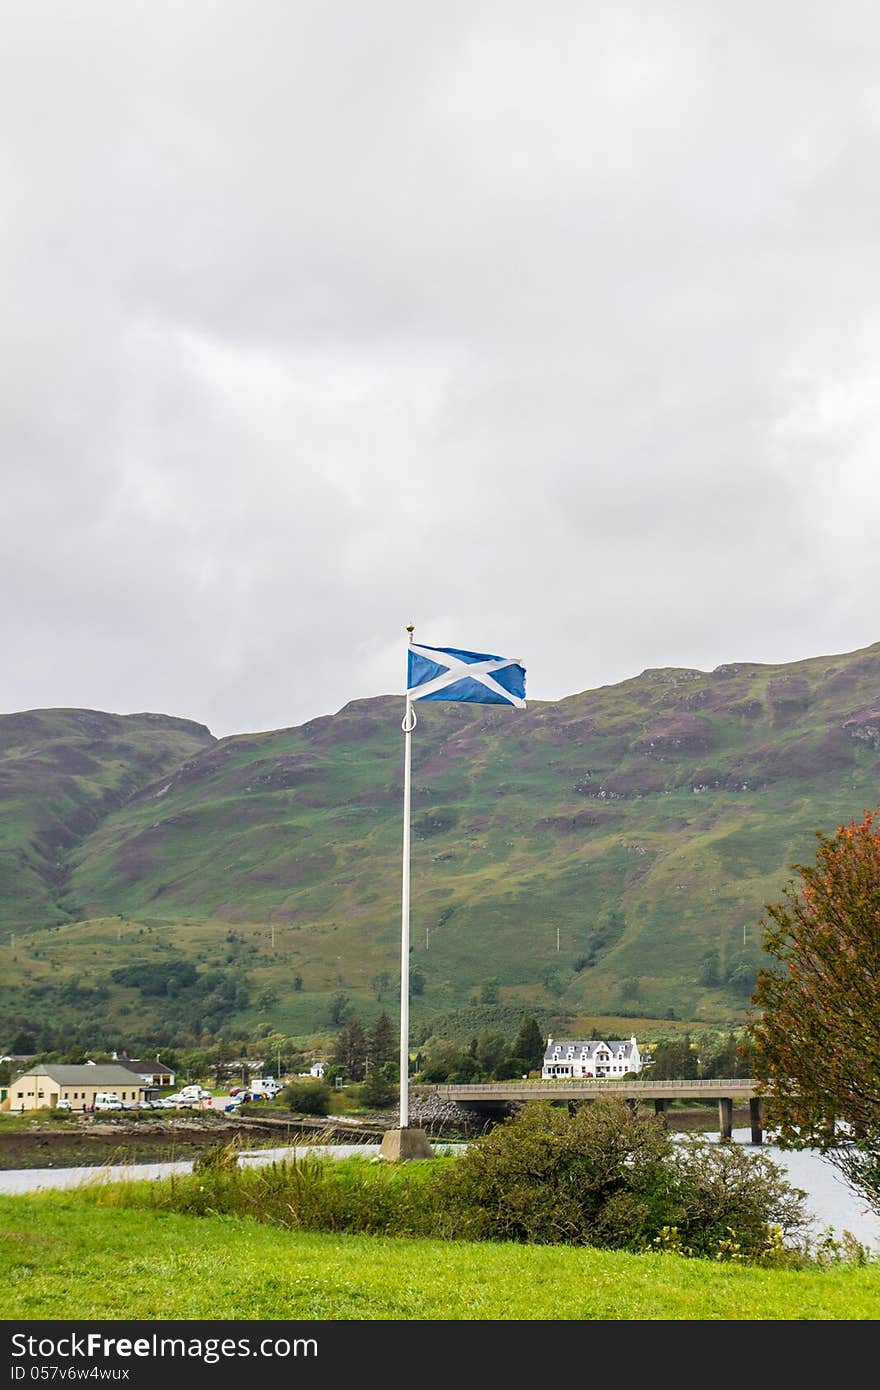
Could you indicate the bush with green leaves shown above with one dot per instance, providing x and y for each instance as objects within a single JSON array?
[
  {"x": 609, "y": 1176},
  {"x": 307, "y": 1097},
  {"x": 723, "y": 1192},
  {"x": 592, "y": 1178}
]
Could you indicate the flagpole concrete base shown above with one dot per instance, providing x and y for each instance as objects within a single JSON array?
[{"x": 404, "y": 1144}]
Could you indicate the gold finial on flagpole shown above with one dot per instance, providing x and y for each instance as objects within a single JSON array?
[{"x": 410, "y": 627}]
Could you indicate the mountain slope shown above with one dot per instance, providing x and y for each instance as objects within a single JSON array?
[
  {"x": 61, "y": 772},
  {"x": 611, "y": 852}
]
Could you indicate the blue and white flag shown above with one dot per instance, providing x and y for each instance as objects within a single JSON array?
[{"x": 447, "y": 673}]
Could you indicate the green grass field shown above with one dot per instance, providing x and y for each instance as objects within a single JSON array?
[{"x": 171, "y": 1266}]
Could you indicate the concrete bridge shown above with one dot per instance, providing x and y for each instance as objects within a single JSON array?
[{"x": 490, "y": 1094}]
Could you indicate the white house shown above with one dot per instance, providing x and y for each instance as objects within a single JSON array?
[
  {"x": 578, "y": 1060},
  {"x": 317, "y": 1069}
]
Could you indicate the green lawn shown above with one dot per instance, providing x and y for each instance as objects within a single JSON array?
[{"x": 64, "y": 1257}]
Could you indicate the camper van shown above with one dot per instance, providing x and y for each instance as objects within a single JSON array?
[
  {"x": 107, "y": 1100},
  {"x": 264, "y": 1087}
]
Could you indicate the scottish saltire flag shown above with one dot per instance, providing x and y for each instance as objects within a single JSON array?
[{"x": 447, "y": 673}]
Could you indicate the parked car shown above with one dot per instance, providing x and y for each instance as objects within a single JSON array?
[
  {"x": 63, "y": 1104},
  {"x": 191, "y": 1095}
]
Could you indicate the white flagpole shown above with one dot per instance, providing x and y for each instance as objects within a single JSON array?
[{"x": 409, "y": 724}]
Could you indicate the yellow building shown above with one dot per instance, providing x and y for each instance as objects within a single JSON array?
[{"x": 43, "y": 1086}]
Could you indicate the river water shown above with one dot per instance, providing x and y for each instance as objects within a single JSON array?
[{"x": 830, "y": 1202}]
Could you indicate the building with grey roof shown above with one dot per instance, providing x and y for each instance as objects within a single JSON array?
[{"x": 43, "y": 1086}]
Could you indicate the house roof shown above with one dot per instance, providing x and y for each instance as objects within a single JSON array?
[
  {"x": 561, "y": 1046},
  {"x": 100, "y": 1074},
  {"x": 145, "y": 1067}
]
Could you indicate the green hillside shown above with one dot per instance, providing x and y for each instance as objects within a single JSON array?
[
  {"x": 62, "y": 772},
  {"x": 640, "y": 827}
]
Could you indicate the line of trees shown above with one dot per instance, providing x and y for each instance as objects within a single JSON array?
[
  {"x": 490, "y": 1056},
  {"x": 681, "y": 1058},
  {"x": 360, "y": 1053}
]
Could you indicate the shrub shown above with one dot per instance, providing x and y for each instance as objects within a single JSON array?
[
  {"x": 722, "y": 1188},
  {"x": 597, "y": 1177},
  {"x": 607, "y": 1176},
  {"x": 307, "y": 1097}
]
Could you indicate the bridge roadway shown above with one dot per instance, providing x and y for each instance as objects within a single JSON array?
[{"x": 662, "y": 1093}]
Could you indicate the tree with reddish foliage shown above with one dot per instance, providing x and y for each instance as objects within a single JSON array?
[{"x": 816, "y": 1040}]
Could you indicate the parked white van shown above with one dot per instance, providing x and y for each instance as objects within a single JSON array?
[
  {"x": 107, "y": 1100},
  {"x": 265, "y": 1087}
]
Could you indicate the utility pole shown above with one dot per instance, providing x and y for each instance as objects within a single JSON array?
[{"x": 557, "y": 938}]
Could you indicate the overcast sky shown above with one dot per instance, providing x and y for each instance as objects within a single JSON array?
[{"x": 552, "y": 329}]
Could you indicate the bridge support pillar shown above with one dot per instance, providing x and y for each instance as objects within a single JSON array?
[
  {"x": 756, "y": 1119},
  {"x": 660, "y": 1108},
  {"x": 725, "y": 1117}
]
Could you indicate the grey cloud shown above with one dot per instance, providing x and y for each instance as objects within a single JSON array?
[{"x": 552, "y": 330}]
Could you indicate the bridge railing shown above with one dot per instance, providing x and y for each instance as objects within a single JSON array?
[{"x": 604, "y": 1083}]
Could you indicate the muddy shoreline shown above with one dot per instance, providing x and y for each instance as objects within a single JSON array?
[{"x": 87, "y": 1144}]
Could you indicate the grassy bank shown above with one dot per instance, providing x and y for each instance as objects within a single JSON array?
[{"x": 168, "y": 1265}]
